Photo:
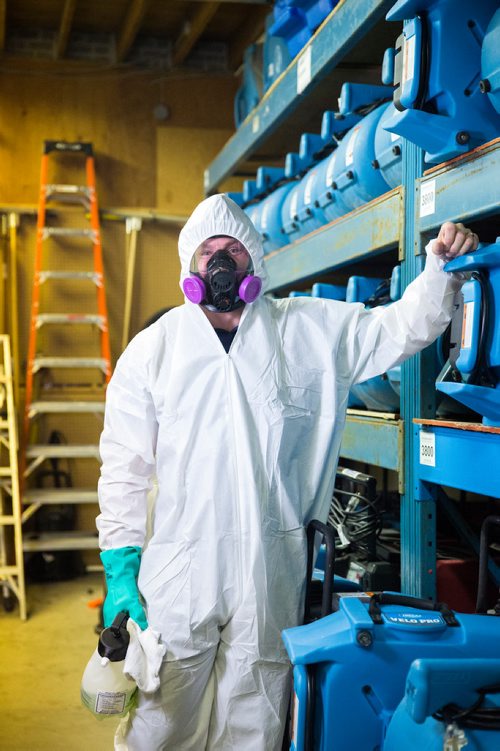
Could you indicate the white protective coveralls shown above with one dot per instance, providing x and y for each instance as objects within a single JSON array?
[{"x": 244, "y": 446}]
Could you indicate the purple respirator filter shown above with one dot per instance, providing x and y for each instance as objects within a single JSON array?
[{"x": 195, "y": 290}]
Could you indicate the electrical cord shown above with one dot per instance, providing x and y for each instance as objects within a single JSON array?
[
  {"x": 356, "y": 521},
  {"x": 475, "y": 717}
]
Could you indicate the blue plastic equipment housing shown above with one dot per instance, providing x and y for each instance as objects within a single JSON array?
[
  {"x": 355, "y": 173},
  {"x": 490, "y": 62},
  {"x": 271, "y": 226},
  {"x": 380, "y": 393},
  {"x": 438, "y": 100},
  {"x": 276, "y": 57},
  {"x": 477, "y": 380},
  {"x": 290, "y": 23},
  {"x": 329, "y": 291},
  {"x": 432, "y": 684},
  {"x": 296, "y": 20},
  {"x": 350, "y": 668},
  {"x": 250, "y": 92}
]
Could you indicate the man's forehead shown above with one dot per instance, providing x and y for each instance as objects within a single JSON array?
[{"x": 220, "y": 241}]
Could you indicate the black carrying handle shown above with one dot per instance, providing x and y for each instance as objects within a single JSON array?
[
  {"x": 328, "y": 534},
  {"x": 388, "y": 598},
  {"x": 482, "y": 585}
]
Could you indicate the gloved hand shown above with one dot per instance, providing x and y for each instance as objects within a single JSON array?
[{"x": 121, "y": 567}]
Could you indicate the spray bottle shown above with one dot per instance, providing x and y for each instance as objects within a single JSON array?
[{"x": 105, "y": 690}]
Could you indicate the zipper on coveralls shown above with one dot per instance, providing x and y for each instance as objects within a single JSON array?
[{"x": 227, "y": 366}]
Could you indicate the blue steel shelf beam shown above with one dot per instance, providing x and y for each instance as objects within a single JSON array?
[
  {"x": 371, "y": 229},
  {"x": 374, "y": 441},
  {"x": 464, "y": 189},
  {"x": 345, "y": 27},
  {"x": 453, "y": 462}
]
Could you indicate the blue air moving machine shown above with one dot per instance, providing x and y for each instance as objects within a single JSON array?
[
  {"x": 388, "y": 672},
  {"x": 472, "y": 375}
]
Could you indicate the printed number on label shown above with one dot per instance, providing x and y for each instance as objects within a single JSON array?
[
  {"x": 428, "y": 198},
  {"x": 427, "y": 448}
]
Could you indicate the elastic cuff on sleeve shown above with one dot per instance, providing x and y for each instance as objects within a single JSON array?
[{"x": 435, "y": 263}]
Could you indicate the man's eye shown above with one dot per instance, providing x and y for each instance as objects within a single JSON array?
[{"x": 234, "y": 251}]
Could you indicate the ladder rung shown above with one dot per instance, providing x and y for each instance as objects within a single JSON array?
[
  {"x": 67, "y": 232},
  {"x": 60, "y": 495},
  {"x": 58, "y": 451},
  {"x": 73, "y": 147},
  {"x": 91, "y": 276},
  {"x": 66, "y": 189},
  {"x": 8, "y": 519},
  {"x": 16, "y": 570},
  {"x": 64, "y": 407},
  {"x": 52, "y": 318},
  {"x": 61, "y": 541},
  {"x": 6, "y": 472},
  {"x": 70, "y": 362}
]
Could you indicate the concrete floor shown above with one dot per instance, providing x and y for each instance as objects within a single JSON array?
[{"x": 41, "y": 665}]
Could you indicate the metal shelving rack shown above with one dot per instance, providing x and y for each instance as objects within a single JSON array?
[{"x": 392, "y": 221}]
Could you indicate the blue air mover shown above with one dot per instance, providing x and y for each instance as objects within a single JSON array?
[
  {"x": 297, "y": 216},
  {"x": 474, "y": 377},
  {"x": 376, "y": 393},
  {"x": 252, "y": 202},
  {"x": 330, "y": 291},
  {"x": 325, "y": 201},
  {"x": 250, "y": 92},
  {"x": 276, "y": 56},
  {"x": 490, "y": 62},
  {"x": 273, "y": 234},
  {"x": 355, "y": 175},
  {"x": 388, "y": 151},
  {"x": 365, "y": 674},
  {"x": 290, "y": 23},
  {"x": 350, "y": 667},
  {"x": 265, "y": 196},
  {"x": 437, "y": 691},
  {"x": 315, "y": 11},
  {"x": 438, "y": 101}
]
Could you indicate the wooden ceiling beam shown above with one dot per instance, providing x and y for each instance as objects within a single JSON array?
[
  {"x": 64, "y": 29},
  {"x": 3, "y": 21},
  {"x": 192, "y": 30},
  {"x": 130, "y": 28},
  {"x": 252, "y": 29}
]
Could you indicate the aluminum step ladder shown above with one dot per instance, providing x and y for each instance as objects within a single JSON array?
[
  {"x": 81, "y": 265},
  {"x": 11, "y": 548}
]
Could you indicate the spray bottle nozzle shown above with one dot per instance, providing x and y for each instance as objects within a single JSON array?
[{"x": 114, "y": 640}]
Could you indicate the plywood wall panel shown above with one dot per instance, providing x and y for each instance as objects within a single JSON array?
[{"x": 135, "y": 167}]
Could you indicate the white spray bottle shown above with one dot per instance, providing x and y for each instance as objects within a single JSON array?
[{"x": 105, "y": 690}]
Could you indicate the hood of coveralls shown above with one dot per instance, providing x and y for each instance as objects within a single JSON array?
[{"x": 219, "y": 215}]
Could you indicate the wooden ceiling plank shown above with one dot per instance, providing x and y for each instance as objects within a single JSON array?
[
  {"x": 130, "y": 28},
  {"x": 64, "y": 29},
  {"x": 192, "y": 31},
  {"x": 3, "y": 20}
]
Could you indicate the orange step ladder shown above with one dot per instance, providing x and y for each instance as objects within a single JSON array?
[{"x": 63, "y": 387}]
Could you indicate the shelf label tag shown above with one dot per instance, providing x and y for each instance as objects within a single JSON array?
[
  {"x": 255, "y": 123},
  {"x": 206, "y": 179},
  {"x": 427, "y": 448},
  {"x": 428, "y": 198},
  {"x": 304, "y": 70}
]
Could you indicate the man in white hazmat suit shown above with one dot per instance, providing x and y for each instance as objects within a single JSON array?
[{"x": 238, "y": 409}]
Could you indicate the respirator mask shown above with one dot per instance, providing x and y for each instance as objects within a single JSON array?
[{"x": 222, "y": 287}]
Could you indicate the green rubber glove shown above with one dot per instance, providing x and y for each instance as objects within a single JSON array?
[{"x": 121, "y": 567}]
